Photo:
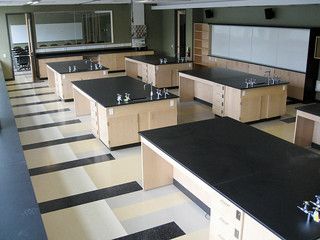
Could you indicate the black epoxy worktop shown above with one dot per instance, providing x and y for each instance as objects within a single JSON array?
[
  {"x": 20, "y": 215},
  {"x": 105, "y": 90},
  {"x": 231, "y": 78},
  {"x": 81, "y": 66},
  {"x": 265, "y": 176},
  {"x": 155, "y": 59},
  {"x": 313, "y": 109}
]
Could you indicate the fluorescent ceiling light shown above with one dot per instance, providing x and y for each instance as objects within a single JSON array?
[{"x": 33, "y": 2}]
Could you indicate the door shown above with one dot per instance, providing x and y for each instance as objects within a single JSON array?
[
  {"x": 31, "y": 42},
  {"x": 181, "y": 33}
]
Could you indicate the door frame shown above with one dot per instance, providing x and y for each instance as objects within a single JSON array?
[
  {"x": 10, "y": 42},
  {"x": 31, "y": 44},
  {"x": 178, "y": 13}
]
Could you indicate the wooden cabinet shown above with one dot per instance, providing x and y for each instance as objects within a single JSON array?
[
  {"x": 296, "y": 82},
  {"x": 253, "y": 230},
  {"x": 42, "y": 63},
  {"x": 201, "y": 45},
  {"x": 226, "y": 219},
  {"x": 63, "y": 82},
  {"x": 218, "y": 99},
  {"x": 160, "y": 76},
  {"x": 116, "y": 61},
  {"x": 120, "y": 125}
]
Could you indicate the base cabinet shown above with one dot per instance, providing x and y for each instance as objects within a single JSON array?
[
  {"x": 63, "y": 82},
  {"x": 255, "y": 104},
  {"x": 117, "y": 126},
  {"x": 42, "y": 63},
  {"x": 296, "y": 80},
  {"x": 116, "y": 61},
  {"x": 243, "y": 105},
  {"x": 160, "y": 76},
  {"x": 253, "y": 230}
]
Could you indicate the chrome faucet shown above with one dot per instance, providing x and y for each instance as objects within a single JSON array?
[
  {"x": 268, "y": 75},
  {"x": 159, "y": 93},
  {"x": 126, "y": 97},
  {"x": 165, "y": 92},
  {"x": 119, "y": 98}
]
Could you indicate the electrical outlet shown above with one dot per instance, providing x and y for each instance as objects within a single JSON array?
[{"x": 4, "y": 55}]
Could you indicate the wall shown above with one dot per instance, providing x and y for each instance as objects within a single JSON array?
[
  {"x": 305, "y": 16},
  {"x": 161, "y": 29},
  {"x": 121, "y": 23},
  {"x": 293, "y": 16}
]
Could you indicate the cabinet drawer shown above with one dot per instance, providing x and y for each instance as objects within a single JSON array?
[
  {"x": 218, "y": 88},
  {"x": 228, "y": 210}
]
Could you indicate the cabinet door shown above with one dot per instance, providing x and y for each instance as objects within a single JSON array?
[
  {"x": 123, "y": 130},
  {"x": 250, "y": 108},
  {"x": 159, "y": 119},
  {"x": 120, "y": 64},
  {"x": 162, "y": 77},
  {"x": 174, "y": 77},
  {"x": 109, "y": 61},
  {"x": 275, "y": 106},
  {"x": 296, "y": 86}
]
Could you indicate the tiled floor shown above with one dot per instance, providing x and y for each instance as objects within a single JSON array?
[{"x": 83, "y": 197}]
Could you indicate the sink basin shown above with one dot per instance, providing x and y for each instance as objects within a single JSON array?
[{"x": 138, "y": 99}]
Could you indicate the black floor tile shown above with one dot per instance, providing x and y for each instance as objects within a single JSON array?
[
  {"x": 163, "y": 232},
  {"x": 70, "y": 164},
  {"x": 57, "y": 142},
  {"x": 22, "y": 89},
  {"x": 41, "y": 113},
  {"x": 48, "y": 125},
  {"x": 288, "y": 120},
  {"x": 88, "y": 197},
  {"x": 32, "y": 95},
  {"x": 36, "y": 103}
]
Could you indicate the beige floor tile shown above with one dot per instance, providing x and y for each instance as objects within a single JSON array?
[
  {"x": 48, "y": 134},
  {"x": 119, "y": 171},
  {"x": 61, "y": 184},
  {"x": 31, "y": 91},
  {"x": 33, "y": 99},
  {"x": 92, "y": 221},
  {"x": 149, "y": 206},
  {"x": 64, "y": 152}
]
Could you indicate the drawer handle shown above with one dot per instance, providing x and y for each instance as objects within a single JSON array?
[
  {"x": 222, "y": 238},
  {"x": 223, "y": 221},
  {"x": 224, "y": 203}
]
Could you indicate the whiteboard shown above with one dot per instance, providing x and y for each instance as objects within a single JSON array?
[
  {"x": 58, "y": 32},
  {"x": 240, "y": 42},
  {"x": 19, "y": 34},
  {"x": 264, "y": 38},
  {"x": 220, "y": 41},
  {"x": 277, "y": 47},
  {"x": 293, "y": 49}
]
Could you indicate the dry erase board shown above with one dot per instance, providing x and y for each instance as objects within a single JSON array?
[
  {"x": 58, "y": 32},
  {"x": 278, "y": 47}
]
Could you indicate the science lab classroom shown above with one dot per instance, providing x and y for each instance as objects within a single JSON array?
[{"x": 160, "y": 119}]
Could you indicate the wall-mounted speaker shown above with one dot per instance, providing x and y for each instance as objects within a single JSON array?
[
  {"x": 269, "y": 13},
  {"x": 209, "y": 13}
]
